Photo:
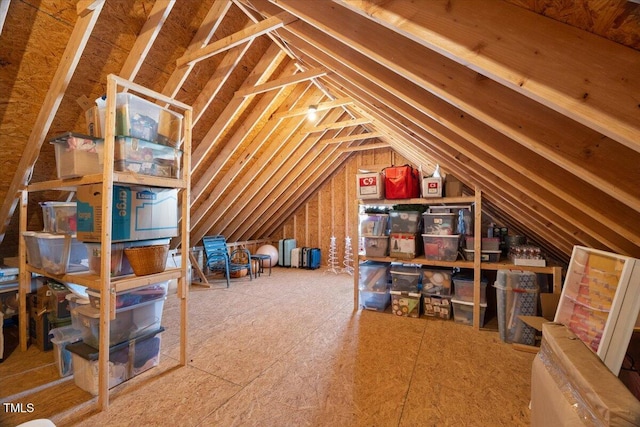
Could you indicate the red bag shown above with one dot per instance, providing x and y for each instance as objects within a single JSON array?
[{"x": 401, "y": 182}]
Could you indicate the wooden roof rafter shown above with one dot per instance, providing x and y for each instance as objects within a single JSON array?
[
  {"x": 557, "y": 68},
  {"x": 235, "y": 39},
  {"x": 279, "y": 83},
  {"x": 217, "y": 204}
]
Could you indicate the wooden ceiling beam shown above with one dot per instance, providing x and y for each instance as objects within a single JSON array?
[
  {"x": 267, "y": 65},
  {"x": 581, "y": 75},
  {"x": 231, "y": 177},
  {"x": 146, "y": 38},
  {"x": 337, "y": 125},
  {"x": 66, "y": 68},
  {"x": 563, "y": 141},
  {"x": 236, "y": 39},
  {"x": 355, "y": 137},
  {"x": 255, "y": 116},
  {"x": 280, "y": 147},
  {"x": 205, "y": 32},
  {"x": 319, "y": 107},
  {"x": 281, "y": 82},
  {"x": 253, "y": 183},
  {"x": 217, "y": 81},
  {"x": 287, "y": 195},
  {"x": 366, "y": 147}
]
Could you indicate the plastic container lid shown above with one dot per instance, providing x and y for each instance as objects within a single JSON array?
[{"x": 453, "y": 300}]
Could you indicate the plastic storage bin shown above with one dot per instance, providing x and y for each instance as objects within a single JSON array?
[
  {"x": 138, "y": 118},
  {"x": 463, "y": 289},
  {"x": 76, "y": 155},
  {"x": 404, "y": 221},
  {"x": 436, "y": 282},
  {"x": 439, "y": 223},
  {"x": 61, "y": 253},
  {"x": 441, "y": 247},
  {"x": 33, "y": 250},
  {"x": 374, "y": 300},
  {"x": 437, "y": 305},
  {"x": 404, "y": 245},
  {"x": 60, "y": 338},
  {"x": 376, "y": 246},
  {"x": 130, "y": 322},
  {"x": 146, "y": 158},
  {"x": 130, "y": 298},
  {"x": 406, "y": 304},
  {"x": 373, "y": 224},
  {"x": 59, "y": 217},
  {"x": 485, "y": 256},
  {"x": 405, "y": 279},
  {"x": 516, "y": 295},
  {"x": 373, "y": 276},
  {"x": 126, "y": 360},
  {"x": 486, "y": 243},
  {"x": 463, "y": 312}
]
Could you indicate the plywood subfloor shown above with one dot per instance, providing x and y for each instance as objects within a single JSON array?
[{"x": 288, "y": 350}]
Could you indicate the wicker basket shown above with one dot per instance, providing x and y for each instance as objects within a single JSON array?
[{"x": 147, "y": 259}]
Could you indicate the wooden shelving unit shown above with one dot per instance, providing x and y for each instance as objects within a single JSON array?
[
  {"x": 107, "y": 285},
  {"x": 477, "y": 265}
]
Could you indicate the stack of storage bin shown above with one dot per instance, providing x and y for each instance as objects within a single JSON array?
[
  {"x": 56, "y": 250},
  {"x": 436, "y": 293},
  {"x": 489, "y": 248},
  {"x": 404, "y": 234},
  {"x": 439, "y": 238},
  {"x": 405, "y": 290},
  {"x": 373, "y": 285},
  {"x": 463, "y": 301},
  {"x": 373, "y": 231},
  {"x": 134, "y": 338},
  {"x": 516, "y": 295}
]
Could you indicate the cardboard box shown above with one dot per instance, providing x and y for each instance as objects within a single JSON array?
[
  {"x": 432, "y": 186},
  {"x": 404, "y": 245},
  {"x": 139, "y": 213},
  {"x": 370, "y": 185},
  {"x": 452, "y": 186},
  {"x": 570, "y": 386}
]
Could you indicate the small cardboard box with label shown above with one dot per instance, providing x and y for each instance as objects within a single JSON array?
[
  {"x": 138, "y": 213},
  {"x": 431, "y": 186},
  {"x": 370, "y": 185}
]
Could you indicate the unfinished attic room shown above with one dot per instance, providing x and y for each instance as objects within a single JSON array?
[{"x": 319, "y": 213}]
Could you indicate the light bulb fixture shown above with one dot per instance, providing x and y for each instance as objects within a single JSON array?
[{"x": 311, "y": 114}]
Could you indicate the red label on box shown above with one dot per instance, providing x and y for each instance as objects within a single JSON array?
[{"x": 368, "y": 181}]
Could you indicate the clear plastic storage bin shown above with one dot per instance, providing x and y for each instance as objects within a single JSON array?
[
  {"x": 404, "y": 221},
  {"x": 373, "y": 224},
  {"x": 76, "y": 155},
  {"x": 61, "y": 253},
  {"x": 405, "y": 278},
  {"x": 130, "y": 322},
  {"x": 146, "y": 158},
  {"x": 138, "y": 118},
  {"x": 463, "y": 289},
  {"x": 59, "y": 217},
  {"x": 439, "y": 223},
  {"x": 406, "y": 304},
  {"x": 441, "y": 247},
  {"x": 463, "y": 312},
  {"x": 376, "y": 246}
]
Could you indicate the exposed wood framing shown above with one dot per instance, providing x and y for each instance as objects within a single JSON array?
[
  {"x": 279, "y": 83},
  {"x": 236, "y": 39}
]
